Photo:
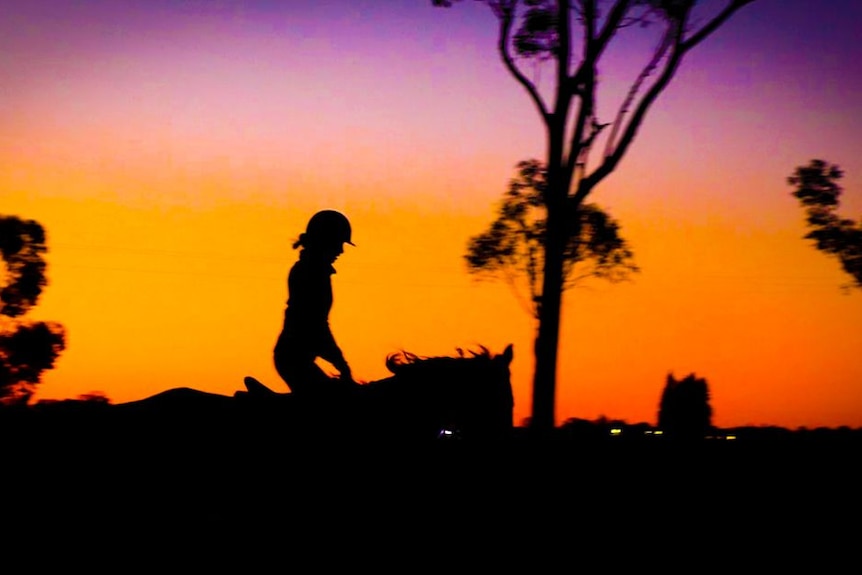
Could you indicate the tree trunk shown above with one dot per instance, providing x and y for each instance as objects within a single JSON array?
[{"x": 543, "y": 418}]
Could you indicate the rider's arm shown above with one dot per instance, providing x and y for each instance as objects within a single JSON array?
[{"x": 332, "y": 353}]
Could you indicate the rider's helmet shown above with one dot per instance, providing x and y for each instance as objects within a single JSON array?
[{"x": 329, "y": 225}]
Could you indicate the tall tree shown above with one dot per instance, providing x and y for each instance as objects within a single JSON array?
[
  {"x": 572, "y": 36},
  {"x": 818, "y": 191},
  {"x": 512, "y": 246},
  {"x": 26, "y": 348}
]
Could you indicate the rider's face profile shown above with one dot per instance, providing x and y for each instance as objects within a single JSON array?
[{"x": 330, "y": 251}]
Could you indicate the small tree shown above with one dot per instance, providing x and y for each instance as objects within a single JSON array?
[
  {"x": 684, "y": 410},
  {"x": 26, "y": 348},
  {"x": 511, "y": 248},
  {"x": 572, "y": 36},
  {"x": 818, "y": 191}
]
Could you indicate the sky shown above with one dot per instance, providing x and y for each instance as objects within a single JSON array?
[{"x": 174, "y": 150}]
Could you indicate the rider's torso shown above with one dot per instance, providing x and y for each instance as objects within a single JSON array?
[{"x": 306, "y": 315}]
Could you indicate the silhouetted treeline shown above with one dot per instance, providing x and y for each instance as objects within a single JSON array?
[
  {"x": 608, "y": 430},
  {"x": 94, "y": 413}
]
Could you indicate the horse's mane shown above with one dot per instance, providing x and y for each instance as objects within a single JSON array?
[{"x": 404, "y": 361}]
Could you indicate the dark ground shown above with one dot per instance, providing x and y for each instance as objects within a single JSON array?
[{"x": 208, "y": 489}]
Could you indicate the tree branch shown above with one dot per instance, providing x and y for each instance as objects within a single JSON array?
[
  {"x": 615, "y": 17},
  {"x": 506, "y": 15},
  {"x": 587, "y": 74},
  {"x": 610, "y": 162},
  {"x": 679, "y": 49},
  {"x": 564, "y": 56},
  {"x": 713, "y": 24},
  {"x": 528, "y": 306},
  {"x": 659, "y": 53},
  {"x": 573, "y": 281}
]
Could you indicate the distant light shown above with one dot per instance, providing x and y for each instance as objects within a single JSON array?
[
  {"x": 730, "y": 437},
  {"x": 659, "y": 432},
  {"x": 616, "y": 431}
]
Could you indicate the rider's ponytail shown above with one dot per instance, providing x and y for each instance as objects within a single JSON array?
[{"x": 300, "y": 241}]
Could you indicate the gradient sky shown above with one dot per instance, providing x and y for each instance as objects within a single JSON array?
[{"x": 174, "y": 149}]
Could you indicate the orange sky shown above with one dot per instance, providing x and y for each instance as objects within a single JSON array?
[{"x": 174, "y": 155}]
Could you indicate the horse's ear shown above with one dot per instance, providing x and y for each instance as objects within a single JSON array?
[{"x": 508, "y": 353}]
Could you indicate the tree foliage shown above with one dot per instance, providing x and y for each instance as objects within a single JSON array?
[
  {"x": 512, "y": 246},
  {"x": 819, "y": 192},
  {"x": 22, "y": 245},
  {"x": 27, "y": 349}
]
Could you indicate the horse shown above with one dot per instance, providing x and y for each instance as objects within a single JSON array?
[
  {"x": 467, "y": 396},
  {"x": 427, "y": 397}
]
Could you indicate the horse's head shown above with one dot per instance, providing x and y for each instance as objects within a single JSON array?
[{"x": 469, "y": 394}]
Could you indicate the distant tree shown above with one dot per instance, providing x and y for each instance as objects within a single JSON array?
[
  {"x": 818, "y": 191},
  {"x": 684, "y": 409},
  {"x": 571, "y": 37},
  {"x": 26, "y": 348},
  {"x": 95, "y": 397},
  {"x": 512, "y": 247}
]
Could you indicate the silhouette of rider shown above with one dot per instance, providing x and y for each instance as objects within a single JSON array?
[{"x": 306, "y": 334}]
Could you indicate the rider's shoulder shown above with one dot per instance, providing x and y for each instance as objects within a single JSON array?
[{"x": 304, "y": 269}]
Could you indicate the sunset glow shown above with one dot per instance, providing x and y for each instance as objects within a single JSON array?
[{"x": 174, "y": 150}]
